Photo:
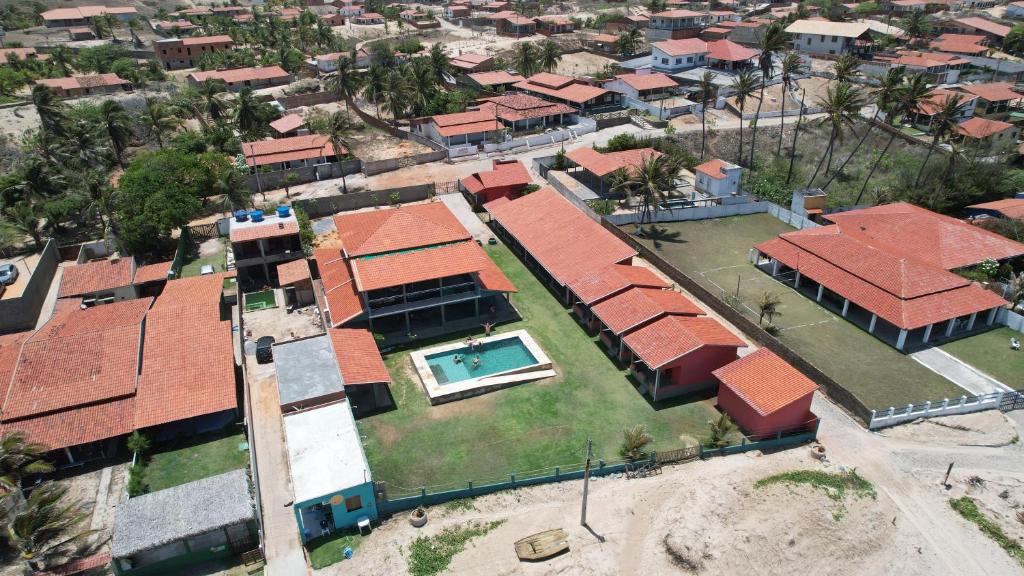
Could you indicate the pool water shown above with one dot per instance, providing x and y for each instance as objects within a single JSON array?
[{"x": 495, "y": 356}]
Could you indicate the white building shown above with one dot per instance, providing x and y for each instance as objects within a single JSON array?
[
  {"x": 1015, "y": 10},
  {"x": 718, "y": 178},
  {"x": 822, "y": 37}
]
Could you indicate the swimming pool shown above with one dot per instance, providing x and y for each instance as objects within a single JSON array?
[
  {"x": 505, "y": 360},
  {"x": 495, "y": 356}
]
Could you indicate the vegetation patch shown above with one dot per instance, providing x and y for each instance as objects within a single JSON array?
[
  {"x": 460, "y": 505},
  {"x": 331, "y": 549},
  {"x": 432, "y": 555},
  {"x": 968, "y": 508},
  {"x": 835, "y": 486}
]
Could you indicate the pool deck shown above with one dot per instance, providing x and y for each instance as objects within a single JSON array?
[{"x": 441, "y": 393}]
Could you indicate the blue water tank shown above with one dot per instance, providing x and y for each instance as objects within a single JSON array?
[
  {"x": 256, "y": 215},
  {"x": 241, "y": 215},
  {"x": 283, "y": 211}
]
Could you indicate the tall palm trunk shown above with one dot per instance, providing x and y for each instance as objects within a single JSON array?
[
  {"x": 740, "y": 161},
  {"x": 703, "y": 128},
  {"x": 873, "y": 168},
  {"x": 854, "y": 152},
  {"x": 796, "y": 134},
  {"x": 782, "y": 120},
  {"x": 757, "y": 118},
  {"x": 827, "y": 154},
  {"x": 927, "y": 157}
]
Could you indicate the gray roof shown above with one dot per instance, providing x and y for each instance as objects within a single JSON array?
[
  {"x": 307, "y": 368},
  {"x": 166, "y": 516}
]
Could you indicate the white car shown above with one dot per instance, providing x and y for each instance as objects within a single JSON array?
[{"x": 206, "y": 269}]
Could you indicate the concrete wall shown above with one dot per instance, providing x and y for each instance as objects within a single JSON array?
[
  {"x": 309, "y": 99},
  {"x": 379, "y": 166},
  {"x": 327, "y": 205},
  {"x": 274, "y": 180},
  {"x": 17, "y": 314},
  {"x": 720, "y": 211}
]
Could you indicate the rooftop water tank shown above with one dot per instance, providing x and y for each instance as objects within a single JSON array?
[
  {"x": 283, "y": 212},
  {"x": 256, "y": 215},
  {"x": 241, "y": 215}
]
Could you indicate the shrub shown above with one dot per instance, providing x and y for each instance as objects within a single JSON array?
[
  {"x": 138, "y": 443},
  {"x": 137, "y": 480},
  {"x": 633, "y": 441},
  {"x": 529, "y": 188}
]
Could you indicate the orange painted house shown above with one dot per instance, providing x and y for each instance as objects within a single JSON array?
[{"x": 764, "y": 395}]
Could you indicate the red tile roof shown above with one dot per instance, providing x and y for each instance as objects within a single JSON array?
[
  {"x": 402, "y": 228},
  {"x": 959, "y": 44},
  {"x": 679, "y": 14},
  {"x": 984, "y": 25},
  {"x": 636, "y": 306},
  {"x": 343, "y": 301},
  {"x": 927, "y": 59},
  {"x": 937, "y": 99},
  {"x": 236, "y": 75},
  {"x": 78, "y": 426},
  {"x": 993, "y": 91},
  {"x": 1008, "y": 207},
  {"x": 286, "y": 124},
  {"x": 765, "y": 382},
  {"x": 152, "y": 272},
  {"x": 358, "y": 357},
  {"x": 978, "y": 127},
  {"x": 206, "y": 40},
  {"x": 682, "y": 47},
  {"x": 558, "y": 235},
  {"x": 729, "y": 51},
  {"x": 96, "y": 276},
  {"x": 504, "y": 174},
  {"x": 470, "y": 122},
  {"x": 291, "y": 272},
  {"x": 603, "y": 163},
  {"x": 270, "y": 228},
  {"x": 671, "y": 337},
  {"x": 75, "y": 82},
  {"x": 561, "y": 87},
  {"x": 517, "y": 107},
  {"x": 713, "y": 168},
  {"x": 496, "y": 77},
  {"x": 18, "y": 53},
  {"x": 272, "y": 151},
  {"x": 401, "y": 268},
  {"x": 651, "y": 81},
  {"x": 617, "y": 277}
]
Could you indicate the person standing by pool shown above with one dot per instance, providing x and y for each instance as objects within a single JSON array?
[{"x": 476, "y": 362}]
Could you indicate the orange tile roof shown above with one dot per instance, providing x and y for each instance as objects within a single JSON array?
[
  {"x": 343, "y": 301},
  {"x": 927, "y": 59},
  {"x": 402, "y": 228},
  {"x": 236, "y": 75},
  {"x": 994, "y": 28},
  {"x": 1008, "y": 207},
  {"x": 515, "y": 107},
  {"x": 729, "y": 51},
  {"x": 272, "y": 151},
  {"x": 553, "y": 85},
  {"x": 78, "y": 426},
  {"x": 18, "y": 53},
  {"x": 978, "y": 127},
  {"x": 90, "y": 81},
  {"x": 713, "y": 168},
  {"x": 682, "y": 47},
  {"x": 765, "y": 382},
  {"x": 959, "y": 43},
  {"x": 604, "y": 163},
  {"x": 503, "y": 175},
  {"x": 495, "y": 77},
  {"x": 605, "y": 38},
  {"x": 83, "y": 12},
  {"x": 287, "y": 123},
  {"x": 291, "y": 272},
  {"x": 400, "y": 268},
  {"x": 617, "y": 277},
  {"x": 670, "y": 338},
  {"x": 270, "y": 228},
  {"x": 679, "y": 14},
  {"x": 993, "y": 91},
  {"x": 152, "y": 272},
  {"x": 358, "y": 357},
  {"x": 206, "y": 40},
  {"x": 938, "y": 97},
  {"x": 636, "y": 306},
  {"x": 650, "y": 81},
  {"x": 96, "y": 276},
  {"x": 558, "y": 235}
]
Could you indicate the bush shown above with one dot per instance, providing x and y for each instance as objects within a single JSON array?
[
  {"x": 137, "y": 480},
  {"x": 633, "y": 441},
  {"x": 529, "y": 188},
  {"x": 306, "y": 234},
  {"x": 138, "y": 443}
]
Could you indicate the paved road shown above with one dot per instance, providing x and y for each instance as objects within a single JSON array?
[{"x": 960, "y": 373}]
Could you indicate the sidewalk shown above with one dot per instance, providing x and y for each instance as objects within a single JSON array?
[{"x": 963, "y": 375}]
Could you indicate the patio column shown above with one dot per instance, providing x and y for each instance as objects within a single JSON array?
[
  {"x": 991, "y": 316},
  {"x": 408, "y": 324},
  {"x": 796, "y": 280},
  {"x": 775, "y": 268},
  {"x": 846, "y": 306},
  {"x": 657, "y": 381},
  {"x": 821, "y": 292},
  {"x": 970, "y": 323},
  {"x": 949, "y": 327},
  {"x": 901, "y": 340},
  {"x": 871, "y": 326},
  {"x": 927, "y": 333}
]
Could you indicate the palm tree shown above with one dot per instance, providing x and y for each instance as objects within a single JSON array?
[
  {"x": 771, "y": 41},
  {"x": 20, "y": 458},
  {"x": 743, "y": 86},
  {"x": 906, "y": 99},
  {"x": 323, "y": 35},
  {"x": 550, "y": 55},
  {"x": 845, "y": 67},
  {"x": 649, "y": 182},
  {"x": 159, "y": 119},
  {"x": 334, "y": 129},
  {"x": 247, "y": 113},
  {"x": 526, "y": 59},
  {"x": 707, "y": 91},
  {"x": 51, "y": 111},
  {"x": 63, "y": 59},
  {"x": 189, "y": 101},
  {"x": 34, "y": 181},
  {"x": 792, "y": 64},
  {"x": 842, "y": 104},
  {"x": 438, "y": 62},
  {"x": 344, "y": 81},
  {"x": 719, "y": 431},
  {"x": 375, "y": 85},
  {"x": 943, "y": 123},
  {"x": 48, "y": 530},
  {"x": 96, "y": 186},
  {"x": 629, "y": 42},
  {"x": 633, "y": 441},
  {"x": 24, "y": 218},
  {"x": 916, "y": 26},
  {"x": 212, "y": 92},
  {"x": 396, "y": 93},
  {"x": 118, "y": 125},
  {"x": 767, "y": 306},
  {"x": 886, "y": 93},
  {"x": 420, "y": 78},
  {"x": 133, "y": 29},
  {"x": 100, "y": 26}
]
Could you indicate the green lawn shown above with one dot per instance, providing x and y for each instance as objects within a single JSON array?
[
  {"x": 990, "y": 352},
  {"x": 526, "y": 428},
  {"x": 260, "y": 300},
  {"x": 216, "y": 259},
  {"x": 714, "y": 253},
  {"x": 331, "y": 549},
  {"x": 195, "y": 458}
]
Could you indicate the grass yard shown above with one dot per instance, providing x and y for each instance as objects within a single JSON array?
[
  {"x": 529, "y": 427},
  {"x": 331, "y": 549},
  {"x": 212, "y": 253},
  {"x": 990, "y": 353},
  {"x": 714, "y": 253},
  {"x": 197, "y": 457},
  {"x": 260, "y": 300}
]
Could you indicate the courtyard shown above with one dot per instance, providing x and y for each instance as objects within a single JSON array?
[
  {"x": 990, "y": 353},
  {"x": 526, "y": 429},
  {"x": 714, "y": 253}
]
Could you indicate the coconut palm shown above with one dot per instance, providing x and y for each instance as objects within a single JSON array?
[
  {"x": 190, "y": 102},
  {"x": 905, "y": 100},
  {"x": 63, "y": 59},
  {"x": 375, "y": 85},
  {"x": 52, "y": 112},
  {"x": 396, "y": 93},
  {"x": 48, "y": 530},
  {"x": 24, "y": 219},
  {"x": 159, "y": 119},
  {"x": 99, "y": 26},
  {"x": 943, "y": 123},
  {"x": 842, "y": 103},
  {"x": 768, "y": 306},
  {"x": 550, "y": 55},
  {"x": 34, "y": 181},
  {"x": 719, "y": 431},
  {"x": 792, "y": 64},
  {"x": 20, "y": 458},
  {"x": 886, "y": 93},
  {"x": 629, "y": 42},
  {"x": 916, "y": 26},
  {"x": 771, "y": 41},
  {"x": 334, "y": 128},
  {"x": 634, "y": 439},
  {"x": 649, "y": 183},
  {"x": 707, "y": 92},
  {"x": 743, "y": 86},
  {"x": 323, "y": 35},
  {"x": 420, "y": 77},
  {"x": 438, "y": 62},
  {"x": 118, "y": 125},
  {"x": 213, "y": 92},
  {"x": 248, "y": 117},
  {"x": 845, "y": 67},
  {"x": 526, "y": 59},
  {"x": 344, "y": 81},
  {"x": 95, "y": 184}
]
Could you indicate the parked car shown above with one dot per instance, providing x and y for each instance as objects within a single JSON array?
[
  {"x": 264, "y": 350},
  {"x": 205, "y": 269},
  {"x": 8, "y": 274}
]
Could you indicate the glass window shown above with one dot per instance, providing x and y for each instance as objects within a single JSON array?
[{"x": 353, "y": 503}]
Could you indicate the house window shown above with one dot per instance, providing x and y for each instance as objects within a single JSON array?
[
  {"x": 679, "y": 60},
  {"x": 822, "y": 38},
  {"x": 664, "y": 60},
  {"x": 689, "y": 60},
  {"x": 835, "y": 39},
  {"x": 353, "y": 503}
]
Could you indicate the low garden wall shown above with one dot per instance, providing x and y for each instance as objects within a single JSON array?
[
  {"x": 274, "y": 180},
  {"x": 327, "y": 205}
]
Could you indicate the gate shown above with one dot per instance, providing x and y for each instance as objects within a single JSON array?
[
  {"x": 680, "y": 455},
  {"x": 1012, "y": 401},
  {"x": 450, "y": 187},
  {"x": 202, "y": 232}
]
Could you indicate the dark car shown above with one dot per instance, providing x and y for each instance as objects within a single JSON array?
[
  {"x": 8, "y": 274},
  {"x": 264, "y": 350}
]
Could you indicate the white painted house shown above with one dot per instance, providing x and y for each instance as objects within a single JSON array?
[
  {"x": 718, "y": 178},
  {"x": 822, "y": 37}
]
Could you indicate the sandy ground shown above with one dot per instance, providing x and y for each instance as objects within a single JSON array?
[
  {"x": 988, "y": 428},
  {"x": 707, "y": 517},
  {"x": 280, "y": 323},
  {"x": 582, "y": 63}
]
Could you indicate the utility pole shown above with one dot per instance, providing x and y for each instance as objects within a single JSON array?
[{"x": 586, "y": 482}]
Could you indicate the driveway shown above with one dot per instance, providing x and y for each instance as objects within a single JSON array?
[
  {"x": 974, "y": 382},
  {"x": 462, "y": 210}
]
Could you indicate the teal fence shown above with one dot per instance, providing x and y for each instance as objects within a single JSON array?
[{"x": 560, "y": 474}]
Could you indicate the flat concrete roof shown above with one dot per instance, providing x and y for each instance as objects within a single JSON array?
[
  {"x": 306, "y": 368},
  {"x": 325, "y": 454}
]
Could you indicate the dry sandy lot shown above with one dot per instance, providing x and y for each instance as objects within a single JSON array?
[{"x": 582, "y": 63}]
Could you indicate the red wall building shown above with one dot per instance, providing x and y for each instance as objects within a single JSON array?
[{"x": 764, "y": 395}]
